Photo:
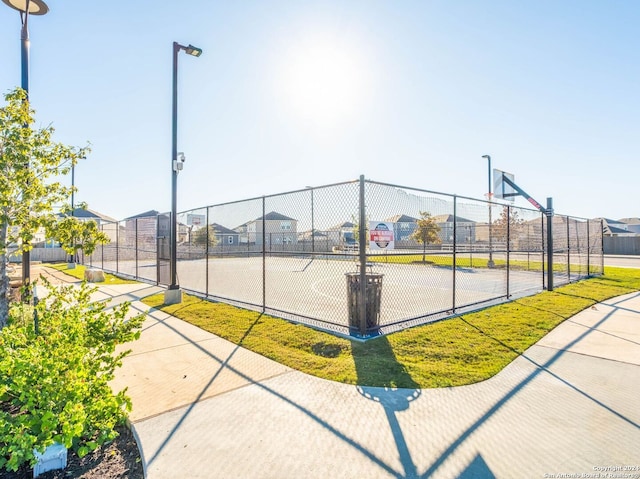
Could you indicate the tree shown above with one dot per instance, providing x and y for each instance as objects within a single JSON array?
[
  {"x": 200, "y": 236},
  {"x": 426, "y": 232},
  {"x": 74, "y": 234},
  {"x": 507, "y": 226},
  {"x": 30, "y": 162},
  {"x": 356, "y": 229}
]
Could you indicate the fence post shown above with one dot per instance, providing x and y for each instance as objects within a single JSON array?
[
  {"x": 508, "y": 247},
  {"x": 568, "y": 250},
  {"x": 157, "y": 249},
  {"x": 602, "y": 246},
  {"x": 549, "y": 213},
  {"x": 118, "y": 247},
  {"x": 588, "y": 250},
  {"x": 264, "y": 257},
  {"x": 455, "y": 246},
  {"x": 136, "y": 223},
  {"x": 206, "y": 256},
  {"x": 102, "y": 254},
  {"x": 313, "y": 227},
  {"x": 542, "y": 246},
  {"x": 362, "y": 241}
]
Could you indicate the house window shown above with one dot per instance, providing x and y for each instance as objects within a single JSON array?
[
  {"x": 404, "y": 226},
  {"x": 285, "y": 225},
  {"x": 230, "y": 239}
]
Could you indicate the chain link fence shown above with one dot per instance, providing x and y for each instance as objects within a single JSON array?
[{"x": 359, "y": 257}]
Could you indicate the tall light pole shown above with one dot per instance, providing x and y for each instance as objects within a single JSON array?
[
  {"x": 490, "y": 263},
  {"x": 26, "y": 8},
  {"x": 173, "y": 294}
]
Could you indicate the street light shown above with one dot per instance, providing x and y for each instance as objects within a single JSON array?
[
  {"x": 26, "y": 8},
  {"x": 173, "y": 294},
  {"x": 490, "y": 263}
]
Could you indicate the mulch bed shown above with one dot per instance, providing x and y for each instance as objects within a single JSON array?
[{"x": 119, "y": 459}]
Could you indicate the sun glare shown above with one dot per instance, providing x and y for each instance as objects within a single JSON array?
[{"x": 325, "y": 83}]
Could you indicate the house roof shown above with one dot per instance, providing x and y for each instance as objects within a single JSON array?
[
  {"x": 274, "y": 216},
  {"x": 630, "y": 221},
  {"x": 221, "y": 230},
  {"x": 346, "y": 224},
  {"x": 87, "y": 213},
  {"x": 402, "y": 219},
  {"x": 614, "y": 230},
  {"x": 450, "y": 219},
  {"x": 146, "y": 214},
  {"x": 609, "y": 221},
  {"x": 308, "y": 234}
]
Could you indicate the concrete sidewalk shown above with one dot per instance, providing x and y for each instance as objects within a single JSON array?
[{"x": 206, "y": 408}]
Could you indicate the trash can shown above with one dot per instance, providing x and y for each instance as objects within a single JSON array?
[{"x": 373, "y": 296}]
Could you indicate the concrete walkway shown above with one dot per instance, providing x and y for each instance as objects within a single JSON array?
[{"x": 206, "y": 408}]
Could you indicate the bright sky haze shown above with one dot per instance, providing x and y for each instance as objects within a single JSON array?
[{"x": 289, "y": 94}]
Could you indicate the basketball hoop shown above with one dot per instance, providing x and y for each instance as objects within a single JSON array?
[{"x": 488, "y": 196}]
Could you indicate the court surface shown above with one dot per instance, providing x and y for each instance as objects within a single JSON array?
[{"x": 317, "y": 289}]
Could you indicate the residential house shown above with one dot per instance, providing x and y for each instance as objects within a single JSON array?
[
  {"x": 80, "y": 213},
  {"x": 314, "y": 240},
  {"x": 278, "y": 230},
  {"x": 140, "y": 229},
  {"x": 243, "y": 236},
  {"x": 403, "y": 228},
  {"x": 465, "y": 229},
  {"x": 341, "y": 235},
  {"x": 616, "y": 228},
  {"x": 633, "y": 224},
  {"x": 89, "y": 215},
  {"x": 150, "y": 225},
  {"x": 225, "y": 236}
]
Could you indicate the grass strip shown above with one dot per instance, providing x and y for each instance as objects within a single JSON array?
[
  {"x": 465, "y": 260},
  {"x": 78, "y": 272},
  {"x": 454, "y": 352}
]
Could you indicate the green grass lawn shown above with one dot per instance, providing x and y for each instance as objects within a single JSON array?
[
  {"x": 466, "y": 260},
  {"x": 78, "y": 272},
  {"x": 457, "y": 351}
]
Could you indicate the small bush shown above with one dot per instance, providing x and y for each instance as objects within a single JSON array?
[{"x": 54, "y": 379}]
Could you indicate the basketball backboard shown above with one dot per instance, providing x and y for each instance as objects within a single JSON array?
[{"x": 502, "y": 189}]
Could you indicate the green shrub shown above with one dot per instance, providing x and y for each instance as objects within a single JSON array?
[{"x": 54, "y": 379}]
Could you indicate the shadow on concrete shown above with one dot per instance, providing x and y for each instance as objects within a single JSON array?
[
  {"x": 392, "y": 387},
  {"x": 477, "y": 469},
  {"x": 394, "y": 399},
  {"x": 224, "y": 364},
  {"x": 376, "y": 363},
  {"x": 540, "y": 368}
]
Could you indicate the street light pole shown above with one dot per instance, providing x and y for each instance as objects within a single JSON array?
[
  {"x": 490, "y": 263},
  {"x": 26, "y": 8},
  {"x": 173, "y": 294}
]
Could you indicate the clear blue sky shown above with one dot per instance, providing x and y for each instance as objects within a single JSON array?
[{"x": 295, "y": 93}]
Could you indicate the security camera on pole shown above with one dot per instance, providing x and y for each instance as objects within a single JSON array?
[{"x": 173, "y": 295}]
